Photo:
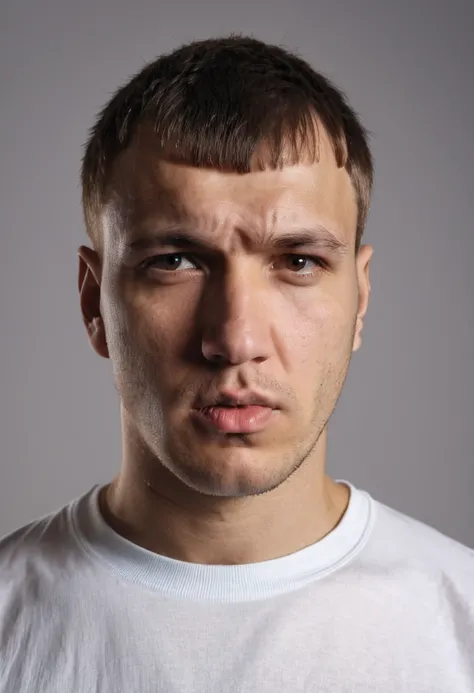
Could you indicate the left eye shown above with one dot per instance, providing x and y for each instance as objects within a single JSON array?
[
  {"x": 299, "y": 262},
  {"x": 168, "y": 262}
]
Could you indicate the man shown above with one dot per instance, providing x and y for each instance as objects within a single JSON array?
[{"x": 225, "y": 192}]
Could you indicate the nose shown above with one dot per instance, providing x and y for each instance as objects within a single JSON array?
[{"x": 236, "y": 323}]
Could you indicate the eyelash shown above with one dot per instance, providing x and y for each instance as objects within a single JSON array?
[{"x": 149, "y": 262}]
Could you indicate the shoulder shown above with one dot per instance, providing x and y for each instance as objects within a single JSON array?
[
  {"x": 32, "y": 549},
  {"x": 405, "y": 539}
]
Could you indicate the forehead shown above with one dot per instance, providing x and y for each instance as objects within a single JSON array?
[{"x": 144, "y": 188}]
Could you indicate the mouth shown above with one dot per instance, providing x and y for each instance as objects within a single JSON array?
[
  {"x": 239, "y": 418},
  {"x": 235, "y": 411}
]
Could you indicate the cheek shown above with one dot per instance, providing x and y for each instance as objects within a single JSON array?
[
  {"x": 148, "y": 331},
  {"x": 127, "y": 326},
  {"x": 320, "y": 332}
]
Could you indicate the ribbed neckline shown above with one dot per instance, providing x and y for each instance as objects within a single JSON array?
[{"x": 226, "y": 583}]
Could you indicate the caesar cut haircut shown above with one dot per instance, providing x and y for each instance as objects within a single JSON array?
[{"x": 234, "y": 104}]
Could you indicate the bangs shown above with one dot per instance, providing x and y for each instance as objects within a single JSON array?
[{"x": 229, "y": 142}]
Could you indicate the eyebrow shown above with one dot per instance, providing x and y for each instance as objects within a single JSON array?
[{"x": 317, "y": 237}]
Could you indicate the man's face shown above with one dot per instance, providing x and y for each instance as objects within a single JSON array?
[{"x": 238, "y": 312}]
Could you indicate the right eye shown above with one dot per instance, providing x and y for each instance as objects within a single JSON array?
[{"x": 169, "y": 262}]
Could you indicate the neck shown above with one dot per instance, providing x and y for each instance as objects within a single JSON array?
[{"x": 150, "y": 506}]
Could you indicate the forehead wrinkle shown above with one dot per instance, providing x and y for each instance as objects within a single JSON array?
[{"x": 184, "y": 235}]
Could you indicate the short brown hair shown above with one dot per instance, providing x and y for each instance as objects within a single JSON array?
[{"x": 213, "y": 102}]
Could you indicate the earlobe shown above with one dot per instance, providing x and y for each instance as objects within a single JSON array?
[
  {"x": 357, "y": 341},
  {"x": 97, "y": 337}
]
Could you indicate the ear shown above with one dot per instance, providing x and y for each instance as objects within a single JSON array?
[
  {"x": 89, "y": 280},
  {"x": 363, "y": 281}
]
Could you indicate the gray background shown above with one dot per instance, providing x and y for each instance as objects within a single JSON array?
[{"x": 404, "y": 425}]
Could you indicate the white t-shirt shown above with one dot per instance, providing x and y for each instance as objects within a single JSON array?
[{"x": 383, "y": 603}]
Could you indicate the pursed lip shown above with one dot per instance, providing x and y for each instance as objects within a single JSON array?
[{"x": 235, "y": 398}]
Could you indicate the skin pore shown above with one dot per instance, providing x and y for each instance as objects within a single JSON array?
[{"x": 235, "y": 312}]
